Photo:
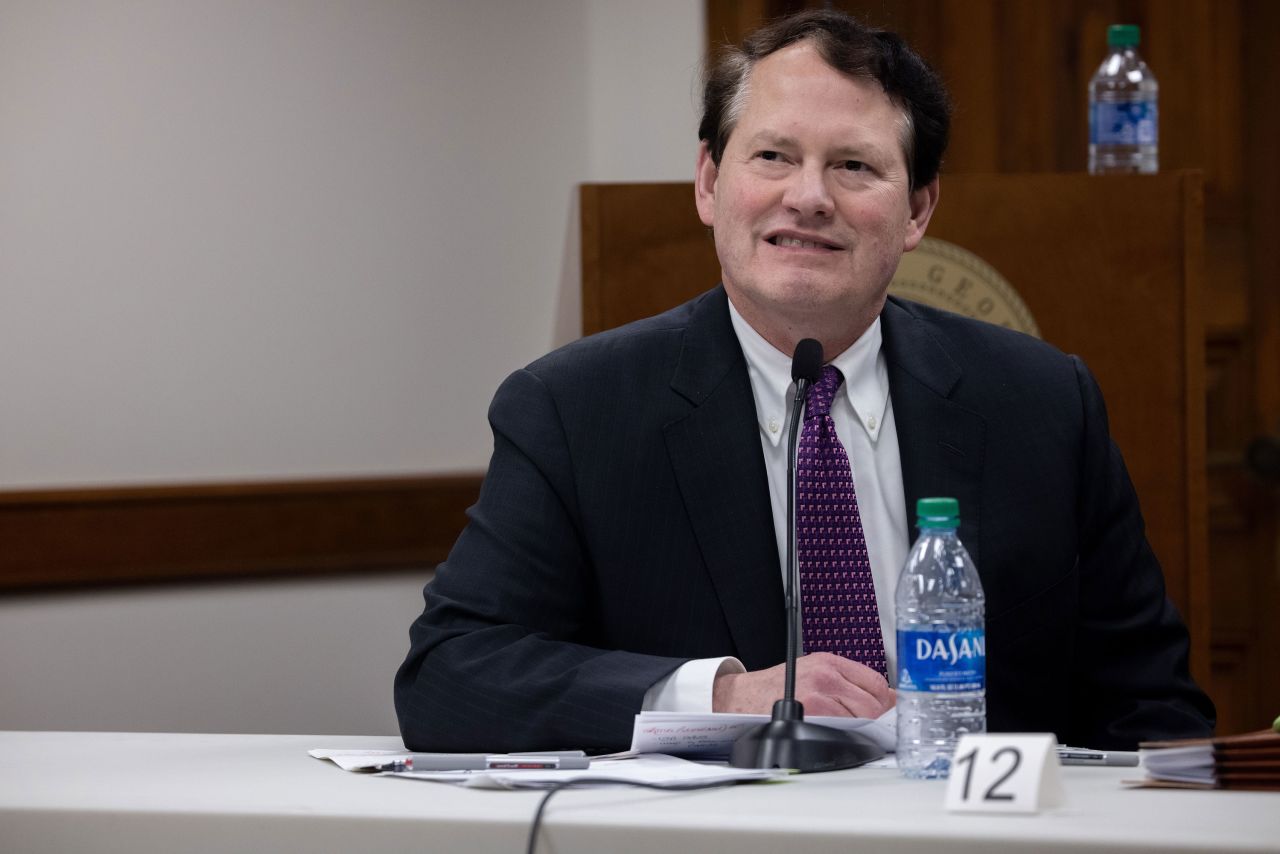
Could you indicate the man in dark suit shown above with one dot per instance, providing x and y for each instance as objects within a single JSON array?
[{"x": 624, "y": 553}]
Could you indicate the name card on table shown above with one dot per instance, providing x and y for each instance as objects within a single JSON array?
[{"x": 1005, "y": 772}]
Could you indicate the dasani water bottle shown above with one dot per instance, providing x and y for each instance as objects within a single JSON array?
[
  {"x": 941, "y": 644},
  {"x": 1124, "y": 116}
]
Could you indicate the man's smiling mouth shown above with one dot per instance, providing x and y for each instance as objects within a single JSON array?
[{"x": 797, "y": 243}]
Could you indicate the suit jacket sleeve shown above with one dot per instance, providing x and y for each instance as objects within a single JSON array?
[
  {"x": 503, "y": 657},
  {"x": 1132, "y": 646}
]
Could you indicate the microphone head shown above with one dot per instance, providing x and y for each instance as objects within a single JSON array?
[{"x": 806, "y": 364}]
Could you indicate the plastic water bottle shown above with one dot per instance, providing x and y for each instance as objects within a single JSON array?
[
  {"x": 942, "y": 647},
  {"x": 1123, "y": 109}
]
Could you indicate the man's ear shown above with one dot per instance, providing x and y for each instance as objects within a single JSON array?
[
  {"x": 704, "y": 186},
  {"x": 922, "y": 201}
]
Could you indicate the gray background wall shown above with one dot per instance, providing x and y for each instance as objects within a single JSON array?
[{"x": 263, "y": 239}]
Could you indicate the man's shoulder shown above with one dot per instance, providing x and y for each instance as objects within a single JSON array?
[
  {"x": 971, "y": 342},
  {"x": 983, "y": 367},
  {"x": 651, "y": 342}
]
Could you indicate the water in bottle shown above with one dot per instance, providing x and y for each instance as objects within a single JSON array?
[
  {"x": 1123, "y": 109},
  {"x": 941, "y": 644}
]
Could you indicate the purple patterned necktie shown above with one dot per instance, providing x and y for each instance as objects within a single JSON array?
[{"x": 837, "y": 594}]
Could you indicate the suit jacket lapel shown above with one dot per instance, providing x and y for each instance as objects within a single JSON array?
[
  {"x": 940, "y": 442},
  {"x": 715, "y": 452}
]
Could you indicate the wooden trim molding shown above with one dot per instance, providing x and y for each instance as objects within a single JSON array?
[{"x": 65, "y": 538}]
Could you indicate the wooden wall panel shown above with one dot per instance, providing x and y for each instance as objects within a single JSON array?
[
  {"x": 1260, "y": 21},
  {"x": 59, "y": 538}
]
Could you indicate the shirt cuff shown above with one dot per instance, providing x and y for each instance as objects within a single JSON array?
[{"x": 688, "y": 688}]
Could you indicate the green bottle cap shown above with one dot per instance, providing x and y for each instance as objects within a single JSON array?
[
  {"x": 937, "y": 513},
  {"x": 1123, "y": 35}
]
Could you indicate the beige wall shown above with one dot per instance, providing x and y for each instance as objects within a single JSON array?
[
  {"x": 314, "y": 656},
  {"x": 258, "y": 239},
  {"x": 248, "y": 239}
]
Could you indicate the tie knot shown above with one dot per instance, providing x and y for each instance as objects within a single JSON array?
[{"x": 823, "y": 391}]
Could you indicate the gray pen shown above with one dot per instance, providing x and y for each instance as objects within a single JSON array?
[
  {"x": 1085, "y": 756},
  {"x": 575, "y": 761}
]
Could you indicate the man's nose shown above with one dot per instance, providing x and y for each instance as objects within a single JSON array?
[{"x": 807, "y": 192}]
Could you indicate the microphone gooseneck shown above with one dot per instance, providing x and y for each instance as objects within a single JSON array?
[
  {"x": 788, "y": 740},
  {"x": 806, "y": 368}
]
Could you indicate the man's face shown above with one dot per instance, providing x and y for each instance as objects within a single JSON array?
[{"x": 810, "y": 203}]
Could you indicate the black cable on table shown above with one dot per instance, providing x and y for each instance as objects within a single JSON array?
[{"x": 592, "y": 781}]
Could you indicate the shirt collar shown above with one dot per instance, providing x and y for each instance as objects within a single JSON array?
[{"x": 864, "y": 393}]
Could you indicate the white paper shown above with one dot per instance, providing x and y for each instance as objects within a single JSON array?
[
  {"x": 358, "y": 760},
  {"x": 711, "y": 736},
  {"x": 1190, "y": 764},
  {"x": 657, "y": 770}
]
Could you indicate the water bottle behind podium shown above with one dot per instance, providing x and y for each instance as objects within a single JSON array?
[
  {"x": 941, "y": 644},
  {"x": 1124, "y": 118}
]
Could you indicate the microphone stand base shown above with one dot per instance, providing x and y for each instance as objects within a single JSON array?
[{"x": 803, "y": 746}]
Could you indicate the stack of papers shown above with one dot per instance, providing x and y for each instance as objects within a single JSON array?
[
  {"x": 654, "y": 770},
  {"x": 1250, "y": 761},
  {"x": 711, "y": 736}
]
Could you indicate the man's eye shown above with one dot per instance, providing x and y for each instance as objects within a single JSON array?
[
  {"x": 853, "y": 165},
  {"x": 769, "y": 155}
]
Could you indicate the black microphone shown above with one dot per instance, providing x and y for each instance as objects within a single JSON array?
[
  {"x": 787, "y": 741},
  {"x": 806, "y": 363}
]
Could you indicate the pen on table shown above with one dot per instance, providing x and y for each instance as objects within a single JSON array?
[
  {"x": 489, "y": 762},
  {"x": 1085, "y": 756}
]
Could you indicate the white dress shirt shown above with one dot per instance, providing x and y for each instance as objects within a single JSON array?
[{"x": 863, "y": 416}]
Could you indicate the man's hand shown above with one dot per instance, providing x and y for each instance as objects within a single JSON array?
[{"x": 826, "y": 684}]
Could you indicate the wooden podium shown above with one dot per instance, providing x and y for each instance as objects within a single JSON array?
[{"x": 1109, "y": 268}]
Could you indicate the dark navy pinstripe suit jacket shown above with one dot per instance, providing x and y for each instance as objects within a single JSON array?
[{"x": 624, "y": 527}]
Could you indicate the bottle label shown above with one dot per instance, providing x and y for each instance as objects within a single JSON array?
[
  {"x": 1123, "y": 123},
  {"x": 937, "y": 661}
]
